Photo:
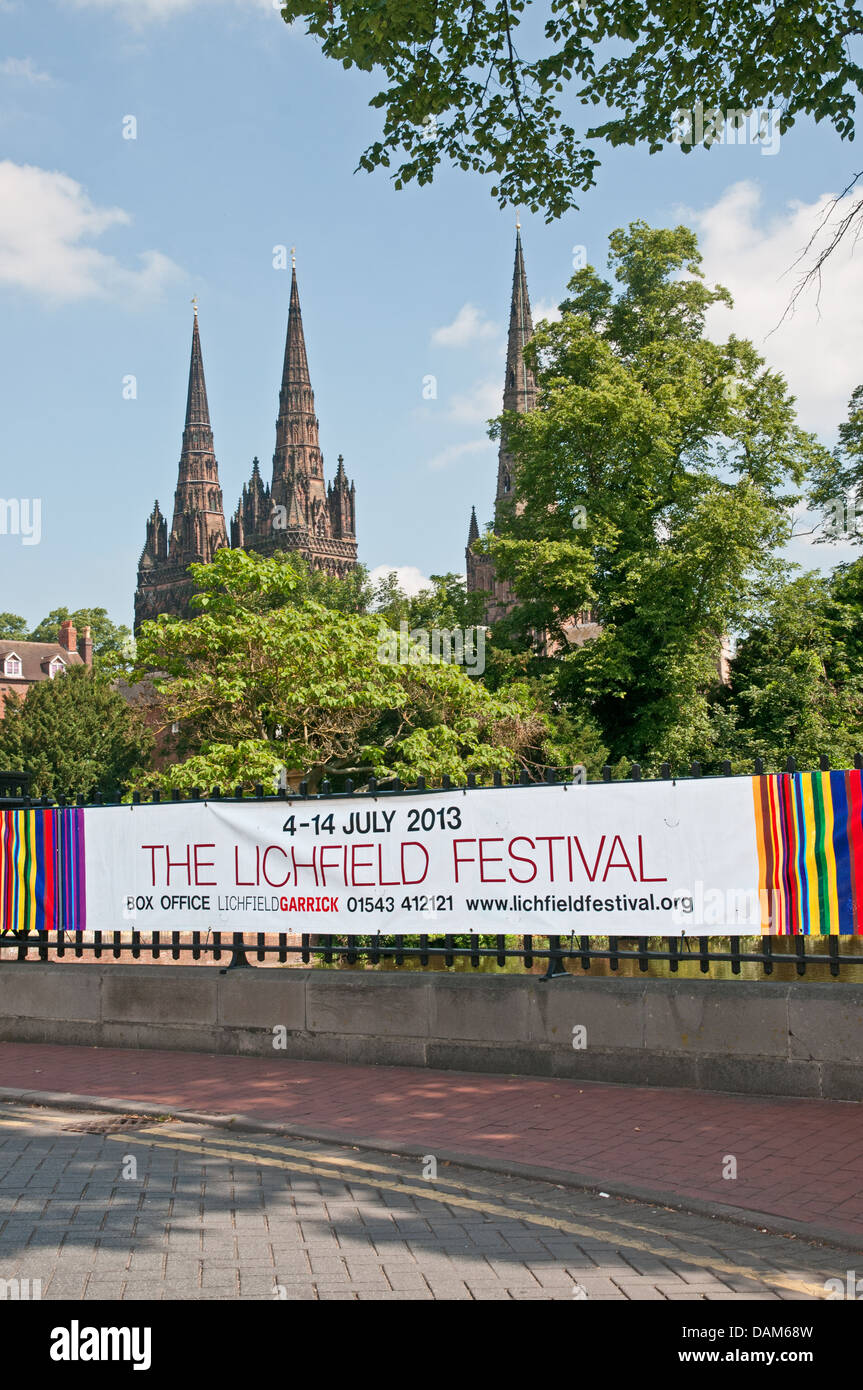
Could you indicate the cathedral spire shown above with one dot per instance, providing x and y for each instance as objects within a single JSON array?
[
  {"x": 296, "y": 366},
  {"x": 519, "y": 389},
  {"x": 198, "y": 526},
  {"x": 197, "y": 432},
  {"x": 519, "y": 395},
  {"x": 298, "y": 466}
]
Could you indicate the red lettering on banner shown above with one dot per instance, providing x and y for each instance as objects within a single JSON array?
[
  {"x": 494, "y": 858},
  {"x": 625, "y": 865},
  {"x": 385, "y": 882},
  {"x": 360, "y": 864},
  {"x": 178, "y": 864},
  {"x": 274, "y": 882},
  {"x": 297, "y": 865},
  {"x": 663, "y": 878},
  {"x": 577, "y": 843},
  {"x": 461, "y": 860},
  {"x": 203, "y": 864},
  {"x": 550, "y": 839},
  {"x": 323, "y": 863},
  {"x": 414, "y": 844},
  {"x": 152, "y": 849},
  {"x": 246, "y": 882},
  {"x": 523, "y": 860}
]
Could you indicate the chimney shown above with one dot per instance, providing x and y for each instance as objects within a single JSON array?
[
  {"x": 86, "y": 648},
  {"x": 68, "y": 637}
]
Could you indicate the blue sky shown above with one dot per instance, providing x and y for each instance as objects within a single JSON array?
[{"x": 247, "y": 140}]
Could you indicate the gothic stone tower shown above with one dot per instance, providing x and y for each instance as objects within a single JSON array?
[
  {"x": 198, "y": 528},
  {"x": 519, "y": 394},
  {"x": 298, "y": 511}
]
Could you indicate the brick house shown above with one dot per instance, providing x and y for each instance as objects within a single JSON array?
[{"x": 22, "y": 664}]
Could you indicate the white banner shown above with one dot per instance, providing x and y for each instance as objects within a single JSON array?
[{"x": 629, "y": 859}]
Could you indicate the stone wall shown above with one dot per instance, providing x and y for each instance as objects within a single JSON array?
[{"x": 796, "y": 1039}]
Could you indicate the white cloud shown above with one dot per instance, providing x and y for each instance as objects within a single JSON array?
[
  {"x": 483, "y": 402},
  {"x": 819, "y": 347},
  {"x": 469, "y": 326},
  {"x": 23, "y": 68},
  {"x": 458, "y": 451},
  {"x": 546, "y": 309},
  {"x": 410, "y": 579},
  {"x": 46, "y": 221}
]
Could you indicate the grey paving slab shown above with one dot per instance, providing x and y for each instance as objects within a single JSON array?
[{"x": 194, "y": 1224}]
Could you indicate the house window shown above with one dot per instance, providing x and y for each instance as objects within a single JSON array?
[
  {"x": 57, "y": 667},
  {"x": 12, "y": 665}
]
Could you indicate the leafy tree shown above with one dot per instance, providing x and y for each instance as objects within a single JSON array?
[
  {"x": 447, "y": 604},
  {"x": 238, "y": 580},
  {"x": 12, "y": 625},
  {"x": 846, "y": 616},
  {"x": 112, "y": 642},
  {"x": 795, "y": 688},
  {"x": 837, "y": 489},
  {"x": 390, "y": 601},
  {"x": 259, "y": 687},
  {"x": 75, "y": 735},
  {"x": 657, "y": 477},
  {"x": 495, "y": 87}
]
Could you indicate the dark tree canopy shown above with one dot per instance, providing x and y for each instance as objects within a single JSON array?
[
  {"x": 518, "y": 90},
  {"x": 75, "y": 735}
]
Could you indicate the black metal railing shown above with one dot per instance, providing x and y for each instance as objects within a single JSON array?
[
  {"x": 771, "y": 955},
  {"x": 14, "y": 788}
]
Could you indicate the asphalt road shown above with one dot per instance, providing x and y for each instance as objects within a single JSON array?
[{"x": 95, "y": 1206}]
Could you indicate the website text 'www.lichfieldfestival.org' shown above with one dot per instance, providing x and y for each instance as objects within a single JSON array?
[{"x": 583, "y": 902}]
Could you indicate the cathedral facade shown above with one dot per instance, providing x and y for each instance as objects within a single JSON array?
[{"x": 297, "y": 510}]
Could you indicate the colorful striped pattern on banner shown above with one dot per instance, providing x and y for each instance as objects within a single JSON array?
[
  {"x": 809, "y": 827},
  {"x": 42, "y": 870}
]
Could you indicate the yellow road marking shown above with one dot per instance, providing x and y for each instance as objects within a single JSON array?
[
  {"x": 339, "y": 1162},
  {"x": 494, "y": 1209},
  {"x": 23, "y": 1124}
]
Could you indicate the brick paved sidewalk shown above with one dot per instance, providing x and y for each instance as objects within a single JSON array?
[{"x": 798, "y": 1161}]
